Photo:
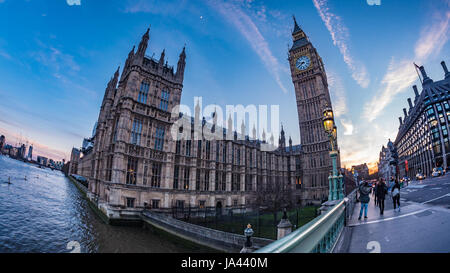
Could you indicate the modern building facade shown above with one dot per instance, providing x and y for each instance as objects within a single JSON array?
[
  {"x": 423, "y": 139},
  {"x": 136, "y": 162}
]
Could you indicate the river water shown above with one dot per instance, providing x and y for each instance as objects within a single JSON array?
[{"x": 45, "y": 213}]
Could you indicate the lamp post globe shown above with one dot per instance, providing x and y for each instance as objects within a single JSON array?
[
  {"x": 328, "y": 112},
  {"x": 328, "y": 120}
]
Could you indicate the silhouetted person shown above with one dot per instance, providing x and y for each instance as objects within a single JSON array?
[
  {"x": 381, "y": 194},
  {"x": 396, "y": 195}
]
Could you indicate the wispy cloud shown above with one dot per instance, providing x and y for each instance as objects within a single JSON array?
[
  {"x": 4, "y": 54},
  {"x": 348, "y": 127},
  {"x": 401, "y": 74},
  {"x": 235, "y": 15},
  {"x": 61, "y": 66},
  {"x": 73, "y": 2},
  {"x": 55, "y": 59},
  {"x": 433, "y": 37},
  {"x": 337, "y": 92},
  {"x": 340, "y": 35}
]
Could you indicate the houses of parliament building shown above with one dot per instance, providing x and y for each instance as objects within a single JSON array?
[{"x": 135, "y": 162}]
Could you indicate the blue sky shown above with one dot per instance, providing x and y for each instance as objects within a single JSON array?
[{"x": 56, "y": 57}]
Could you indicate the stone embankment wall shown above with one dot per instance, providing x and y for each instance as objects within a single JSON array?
[{"x": 219, "y": 240}]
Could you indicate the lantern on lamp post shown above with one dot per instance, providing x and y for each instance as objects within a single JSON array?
[{"x": 335, "y": 180}]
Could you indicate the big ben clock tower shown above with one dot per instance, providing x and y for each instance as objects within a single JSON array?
[{"x": 311, "y": 91}]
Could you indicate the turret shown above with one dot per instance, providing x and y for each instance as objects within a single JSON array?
[
  {"x": 143, "y": 46},
  {"x": 116, "y": 78},
  {"x": 109, "y": 96},
  {"x": 181, "y": 65},
  {"x": 400, "y": 119},
  {"x": 444, "y": 66},
  {"x": 161, "y": 59},
  {"x": 128, "y": 63},
  {"x": 230, "y": 128},
  {"x": 410, "y": 103},
  {"x": 416, "y": 92},
  {"x": 297, "y": 33},
  {"x": 197, "y": 113},
  {"x": 282, "y": 142},
  {"x": 404, "y": 112},
  {"x": 243, "y": 129},
  {"x": 426, "y": 79}
]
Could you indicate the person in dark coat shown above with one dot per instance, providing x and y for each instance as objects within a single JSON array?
[
  {"x": 375, "y": 192},
  {"x": 364, "y": 191},
  {"x": 396, "y": 195},
  {"x": 381, "y": 194}
]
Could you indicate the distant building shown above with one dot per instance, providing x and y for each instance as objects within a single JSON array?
[
  {"x": 21, "y": 152},
  {"x": 386, "y": 168},
  {"x": 2, "y": 143},
  {"x": 423, "y": 137},
  {"x": 42, "y": 160},
  {"x": 74, "y": 160},
  {"x": 30, "y": 153},
  {"x": 363, "y": 171},
  {"x": 8, "y": 149}
]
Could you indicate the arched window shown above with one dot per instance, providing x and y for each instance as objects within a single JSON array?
[
  {"x": 165, "y": 95},
  {"x": 143, "y": 92}
]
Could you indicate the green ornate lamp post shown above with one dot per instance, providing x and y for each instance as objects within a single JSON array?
[{"x": 335, "y": 179}]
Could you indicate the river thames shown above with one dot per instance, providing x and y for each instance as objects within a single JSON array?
[{"x": 42, "y": 211}]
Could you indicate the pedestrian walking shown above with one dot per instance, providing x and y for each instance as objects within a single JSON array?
[
  {"x": 396, "y": 195},
  {"x": 381, "y": 194},
  {"x": 375, "y": 193},
  {"x": 364, "y": 191}
]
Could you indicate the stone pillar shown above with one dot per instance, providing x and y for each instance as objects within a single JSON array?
[
  {"x": 212, "y": 180},
  {"x": 284, "y": 227},
  {"x": 193, "y": 179},
  {"x": 228, "y": 181}
]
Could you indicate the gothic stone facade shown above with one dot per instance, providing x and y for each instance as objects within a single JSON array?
[
  {"x": 137, "y": 163},
  {"x": 311, "y": 90}
]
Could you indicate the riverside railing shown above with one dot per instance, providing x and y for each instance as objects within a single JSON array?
[{"x": 318, "y": 236}]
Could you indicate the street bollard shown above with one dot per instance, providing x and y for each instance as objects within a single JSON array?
[{"x": 284, "y": 227}]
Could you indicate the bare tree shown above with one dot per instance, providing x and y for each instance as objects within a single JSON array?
[{"x": 276, "y": 196}]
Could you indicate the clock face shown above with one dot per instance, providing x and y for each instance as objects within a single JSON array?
[{"x": 302, "y": 63}]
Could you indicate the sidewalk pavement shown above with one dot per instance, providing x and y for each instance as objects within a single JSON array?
[{"x": 418, "y": 227}]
